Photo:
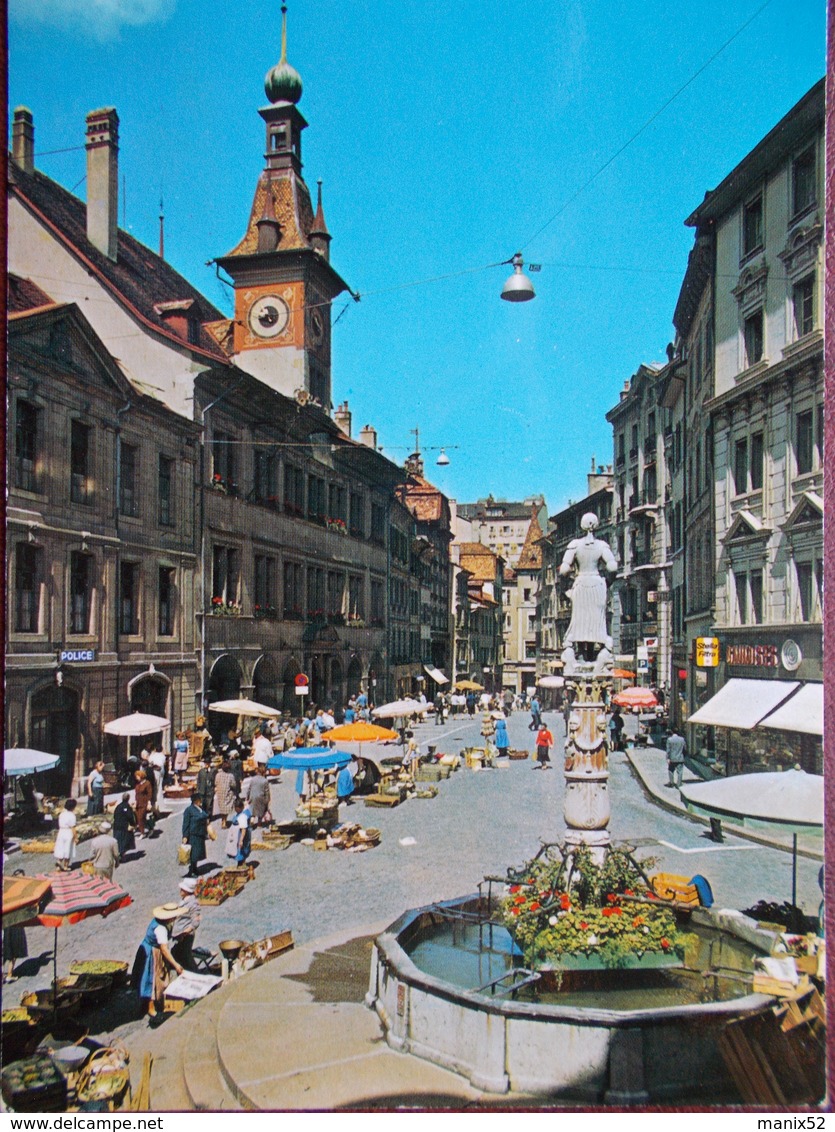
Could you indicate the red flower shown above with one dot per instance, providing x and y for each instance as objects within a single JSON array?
[
  {"x": 616, "y": 911},
  {"x": 628, "y": 892},
  {"x": 665, "y": 944},
  {"x": 583, "y": 925},
  {"x": 535, "y": 906},
  {"x": 607, "y": 911},
  {"x": 514, "y": 888},
  {"x": 514, "y": 911},
  {"x": 520, "y": 899},
  {"x": 610, "y": 896},
  {"x": 565, "y": 902}
]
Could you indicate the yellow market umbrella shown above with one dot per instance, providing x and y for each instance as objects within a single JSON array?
[
  {"x": 468, "y": 686},
  {"x": 359, "y": 732}
]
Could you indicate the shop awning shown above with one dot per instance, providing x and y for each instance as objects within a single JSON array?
[
  {"x": 436, "y": 674},
  {"x": 803, "y": 712},
  {"x": 743, "y": 703}
]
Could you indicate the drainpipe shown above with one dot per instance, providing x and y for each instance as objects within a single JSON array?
[{"x": 117, "y": 588}]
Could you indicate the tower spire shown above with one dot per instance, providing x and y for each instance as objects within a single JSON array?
[{"x": 283, "y": 83}]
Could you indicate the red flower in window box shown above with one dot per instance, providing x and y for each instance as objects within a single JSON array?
[{"x": 217, "y": 601}]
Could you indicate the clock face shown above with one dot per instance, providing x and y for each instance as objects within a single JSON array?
[
  {"x": 268, "y": 316},
  {"x": 317, "y": 327}
]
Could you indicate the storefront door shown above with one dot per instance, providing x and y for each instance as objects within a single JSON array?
[{"x": 55, "y": 729}]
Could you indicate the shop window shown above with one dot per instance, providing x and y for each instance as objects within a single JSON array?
[
  {"x": 80, "y": 453},
  {"x": 81, "y": 574},
  {"x": 804, "y": 442},
  {"x": 129, "y": 599},
  {"x": 752, "y": 226},
  {"x": 28, "y": 570},
  {"x": 166, "y": 601},
  {"x": 752, "y": 335},
  {"x": 165, "y": 491},
  {"x": 26, "y": 445},
  {"x": 804, "y": 192},
  {"x": 128, "y": 479},
  {"x": 803, "y": 306}
]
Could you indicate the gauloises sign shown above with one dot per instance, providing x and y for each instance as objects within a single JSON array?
[{"x": 753, "y": 656}]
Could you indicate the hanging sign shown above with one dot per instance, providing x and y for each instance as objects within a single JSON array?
[{"x": 707, "y": 652}]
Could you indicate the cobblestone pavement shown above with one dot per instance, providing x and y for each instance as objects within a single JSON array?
[{"x": 478, "y": 824}]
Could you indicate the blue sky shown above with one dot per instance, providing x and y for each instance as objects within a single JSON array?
[{"x": 447, "y": 136}]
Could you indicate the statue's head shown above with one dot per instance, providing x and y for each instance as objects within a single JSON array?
[{"x": 589, "y": 521}]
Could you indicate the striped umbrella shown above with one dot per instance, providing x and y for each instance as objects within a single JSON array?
[{"x": 75, "y": 896}]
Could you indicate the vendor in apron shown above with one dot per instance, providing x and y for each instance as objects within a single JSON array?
[{"x": 154, "y": 962}]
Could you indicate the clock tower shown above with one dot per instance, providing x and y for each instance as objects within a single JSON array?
[{"x": 284, "y": 283}]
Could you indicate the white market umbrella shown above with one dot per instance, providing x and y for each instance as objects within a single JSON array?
[
  {"x": 789, "y": 799},
  {"x": 245, "y": 707},
  {"x": 400, "y": 708},
  {"x": 551, "y": 682},
  {"x": 23, "y": 760},
  {"x": 137, "y": 724}
]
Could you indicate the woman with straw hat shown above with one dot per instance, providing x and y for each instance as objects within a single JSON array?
[{"x": 154, "y": 961}]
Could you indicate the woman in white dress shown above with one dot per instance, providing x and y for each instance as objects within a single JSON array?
[{"x": 64, "y": 850}]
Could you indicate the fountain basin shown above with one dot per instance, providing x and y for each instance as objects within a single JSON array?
[{"x": 606, "y": 1042}]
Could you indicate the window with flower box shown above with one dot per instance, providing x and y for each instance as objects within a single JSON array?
[
  {"x": 356, "y": 515},
  {"x": 293, "y": 591},
  {"x": 293, "y": 490},
  {"x": 356, "y": 599},
  {"x": 264, "y": 588},
  {"x": 225, "y": 580},
  {"x": 316, "y": 511},
  {"x": 265, "y": 478},
  {"x": 224, "y": 463},
  {"x": 336, "y": 597},
  {"x": 378, "y": 608}
]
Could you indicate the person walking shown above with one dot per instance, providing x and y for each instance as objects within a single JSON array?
[
  {"x": 185, "y": 926},
  {"x": 195, "y": 831},
  {"x": 180, "y": 755},
  {"x": 676, "y": 753},
  {"x": 262, "y": 748},
  {"x": 124, "y": 823},
  {"x": 226, "y": 791},
  {"x": 259, "y": 796},
  {"x": 439, "y": 709},
  {"x": 470, "y": 701},
  {"x": 239, "y": 840},
  {"x": 95, "y": 790},
  {"x": 104, "y": 852},
  {"x": 64, "y": 850},
  {"x": 536, "y": 715},
  {"x": 616, "y": 726},
  {"x": 158, "y": 762},
  {"x": 205, "y": 785},
  {"x": 544, "y": 743},
  {"x": 144, "y": 800}
]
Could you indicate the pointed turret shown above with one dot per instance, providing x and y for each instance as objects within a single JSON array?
[{"x": 320, "y": 237}]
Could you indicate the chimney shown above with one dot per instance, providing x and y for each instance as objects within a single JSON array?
[
  {"x": 103, "y": 179},
  {"x": 23, "y": 139},
  {"x": 342, "y": 417},
  {"x": 368, "y": 436}
]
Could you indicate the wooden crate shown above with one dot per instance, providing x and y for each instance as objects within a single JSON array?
[
  {"x": 382, "y": 800},
  {"x": 668, "y": 886},
  {"x": 517, "y": 754}
]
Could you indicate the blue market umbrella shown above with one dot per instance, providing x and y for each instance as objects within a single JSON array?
[{"x": 307, "y": 759}]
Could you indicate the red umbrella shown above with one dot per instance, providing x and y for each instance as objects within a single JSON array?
[
  {"x": 75, "y": 896},
  {"x": 635, "y": 697},
  {"x": 623, "y": 674}
]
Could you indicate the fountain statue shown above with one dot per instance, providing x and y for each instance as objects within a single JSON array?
[{"x": 587, "y": 632}]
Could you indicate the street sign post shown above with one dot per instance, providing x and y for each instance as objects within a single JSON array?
[{"x": 302, "y": 684}]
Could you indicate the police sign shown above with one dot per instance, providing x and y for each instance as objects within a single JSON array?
[{"x": 77, "y": 656}]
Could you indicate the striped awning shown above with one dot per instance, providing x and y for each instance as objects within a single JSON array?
[
  {"x": 436, "y": 674},
  {"x": 23, "y": 898},
  {"x": 75, "y": 896}
]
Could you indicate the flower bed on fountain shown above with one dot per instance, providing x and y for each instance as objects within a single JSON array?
[{"x": 569, "y": 913}]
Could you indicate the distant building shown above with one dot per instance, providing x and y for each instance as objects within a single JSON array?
[
  {"x": 503, "y": 525},
  {"x": 521, "y": 590},
  {"x": 480, "y": 653}
]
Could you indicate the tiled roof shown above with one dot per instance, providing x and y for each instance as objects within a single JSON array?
[
  {"x": 24, "y": 295},
  {"x": 531, "y": 555},
  {"x": 509, "y": 509},
  {"x": 292, "y": 210},
  {"x": 422, "y": 498},
  {"x": 478, "y": 560},
  {"x": 141, "y": 278}
]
